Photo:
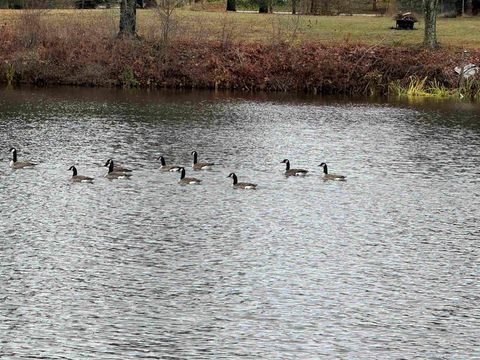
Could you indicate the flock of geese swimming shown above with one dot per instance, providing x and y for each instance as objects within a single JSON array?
[{"x": 119, "y": 172}]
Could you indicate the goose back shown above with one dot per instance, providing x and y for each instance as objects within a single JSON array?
[
  {"x": 79, "y": 178},
  {"x": 15, "y": 164},
  {"x": 187, "y": 180},
  {"x": 113, "y": 174},
  {"x": 117, "y": 168},
  {"x": 327, "y": 176},
  {"x": 293, "y": 172},
  {"x": 200, "y": 165},
  {"x": 241, "y": 185},
  {"x": 165, "y": 167}
]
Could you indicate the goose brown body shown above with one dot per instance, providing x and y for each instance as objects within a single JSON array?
[
  {"x": 293, "y": 172},
  {"x": 113, "y": 174},
  {"x": 327, "y": 176},
  {"x": 15, "y": 164},
  {"x": 187, "y": 180},
  {"x": 165, "y": 167},
  {"x": 200, "y": 165},
  {"x": 117, "y": 168},
  {"x": 79, "y": 178},
  {"x": 241, "y": 185}
]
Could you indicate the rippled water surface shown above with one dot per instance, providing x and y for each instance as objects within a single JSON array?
[{"x": 382, "y": 266}]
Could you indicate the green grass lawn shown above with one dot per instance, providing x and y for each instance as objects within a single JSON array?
[{"x": 266, "y": 28}]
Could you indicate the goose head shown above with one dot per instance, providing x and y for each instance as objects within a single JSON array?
[
  {"x": 325, "y": 168},
  {"x": 234, "y": 177},
  {"x": 109, "y": 164},
  {"x": 14, "y": 154},
  {"x": 194, "y": 153},
  {"x": 162, "y": 160},
  {"x": 287, "y": 164}
]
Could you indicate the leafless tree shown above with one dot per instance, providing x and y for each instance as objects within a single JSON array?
[
  {"x": 128, "y": 18},
  {"x": 165, "y": 11},
  {"x": 430, "y": 14}
]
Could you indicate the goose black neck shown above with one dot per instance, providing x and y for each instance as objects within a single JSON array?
[
  {"x": 287, "y": 165},
  {"x": 110, "y": 166},
  {"x": 162, "y": 161},
  {"x": 325, "y": 169},
  {"x": 74, "y": 169},
  {"x": 235, "y": 180},
  {"x": 182, "y": 173},
  {"x": 194, "y": 158},
  {"x": 14, "y": 155}
]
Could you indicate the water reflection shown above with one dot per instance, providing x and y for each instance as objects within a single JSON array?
[{"x": 381, "y": 266}]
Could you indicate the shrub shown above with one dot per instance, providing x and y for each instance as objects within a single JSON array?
[{"x": 128, "y": 78}]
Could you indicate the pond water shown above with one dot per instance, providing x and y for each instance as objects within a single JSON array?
[{"x": 382, "y": 266}]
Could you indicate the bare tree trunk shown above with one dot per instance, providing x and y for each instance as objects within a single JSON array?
[
  {"x": 325, "y": 7},
  {"x": 314, "y": 7},
  {"x": 128, "y": 18},
  {"x": 468, "y": 7},
  {"x": 374, "y": 5},
  {"x": 430, "y": 14},
  {"x": 231, "y": 5},
  {"x": 294, "y": 7},
  {"x": 475, "y": 7},
  {"x": 319, "y": 7}
]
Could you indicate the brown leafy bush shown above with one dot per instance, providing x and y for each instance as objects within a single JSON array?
[{"x": 79, "y": 55}]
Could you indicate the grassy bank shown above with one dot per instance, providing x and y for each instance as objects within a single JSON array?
[
  {"x": 263, "y": 28},
  {"x": 352, "y": 55}
]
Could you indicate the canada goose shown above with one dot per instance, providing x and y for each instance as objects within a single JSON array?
[
  {"x": 187, "y": 180},
  {"x": 327, "y": 176},
  {"x": 117, "y": 168},
  {"x": 293, "y": 172},
  {"x": 241, "y": 185},
  {"x": 200, "y": 165},
  {"x": 112, "y": 174},
  {"x": 165, "y": 167},
  {"x": 18, "y": 164},
  {"x": 79, "y": 178}
]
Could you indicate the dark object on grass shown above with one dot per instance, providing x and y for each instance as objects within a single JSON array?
[{"x": 405, "y": 21}]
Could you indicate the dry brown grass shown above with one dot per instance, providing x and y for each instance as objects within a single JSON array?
[{"x": 252, "y": 27}]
